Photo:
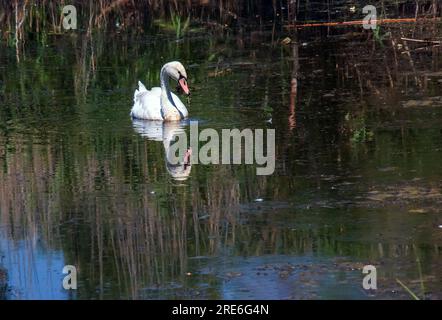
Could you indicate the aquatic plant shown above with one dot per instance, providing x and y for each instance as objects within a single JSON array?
[
  {"x": 379, "y": 37},
  {"x": 412, "y": 294},
  {"x": 180, "y": 28},
  {"x": 175, "y": 24}
]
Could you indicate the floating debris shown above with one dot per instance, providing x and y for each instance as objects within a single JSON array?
[
  {"x": 387, "y": 169},
  {"x": 417, "y": 211},
  {"x": 427, "y": 102},
  {"x": 218, "y": 73},
  {"x": 259, "y": 200},
  {"x": 233, "y": 274},
  {"x": 286, "y": 41}
]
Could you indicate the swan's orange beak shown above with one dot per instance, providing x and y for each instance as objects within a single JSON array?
[{"x": 183, "y": 85}]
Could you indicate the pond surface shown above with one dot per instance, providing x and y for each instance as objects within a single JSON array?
[{"x": 358, "y": 177}]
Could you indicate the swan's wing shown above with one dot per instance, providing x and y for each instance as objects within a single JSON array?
[
  {"x": 141, "y": 86},
  {"x": 146, "y": 103},
  {"x": 180, "y": 106}
]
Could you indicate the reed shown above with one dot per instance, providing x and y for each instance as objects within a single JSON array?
[{"x": 19, "y": 19}]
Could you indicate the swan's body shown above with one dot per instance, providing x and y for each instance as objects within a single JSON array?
[
  {"x": 147, "y": 105},
  {"x": 160, "y": 103}
]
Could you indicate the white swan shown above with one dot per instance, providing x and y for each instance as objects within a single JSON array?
[{"x": 160, "y": 103}]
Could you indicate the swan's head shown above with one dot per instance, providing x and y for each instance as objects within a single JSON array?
[{"x": 176, "y": 71}]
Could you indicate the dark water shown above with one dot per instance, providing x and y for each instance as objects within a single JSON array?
[{"x": 358, "y": 176}]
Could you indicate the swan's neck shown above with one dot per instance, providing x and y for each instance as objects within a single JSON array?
[{"x": 168, "y": 108}]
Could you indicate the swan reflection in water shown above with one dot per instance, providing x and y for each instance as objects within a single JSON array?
[{"x": 167, "y": 133}]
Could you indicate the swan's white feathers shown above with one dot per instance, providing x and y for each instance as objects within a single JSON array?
[
  {"x": 147, "y": 103},
  {"x": 141, "y": 86}
]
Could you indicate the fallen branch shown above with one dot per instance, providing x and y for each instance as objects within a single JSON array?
[
  {"x": 421, "y": 48},
  {"x": 360, "y": 22},
  {"x": 421, "y": 41}
]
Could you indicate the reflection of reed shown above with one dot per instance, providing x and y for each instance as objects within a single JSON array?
[
  {"x": 117, "y": 233},
  {"x": 111, "y": 232},
  {"x": 86, "y": 61},
  {"x": 294, "y": 85},
  {"x": 393, "y": 57},
  {"x": 3, "y": 283},
  {"x": 20, "y": 16},
  {"x": 123, "y": 238}
]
